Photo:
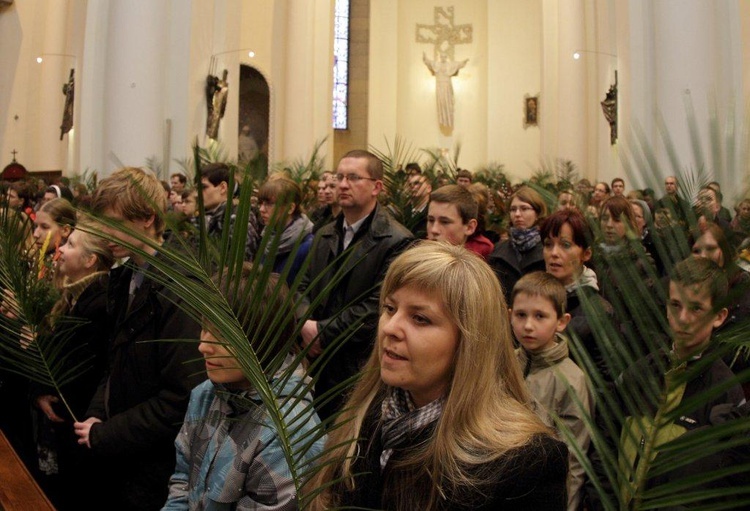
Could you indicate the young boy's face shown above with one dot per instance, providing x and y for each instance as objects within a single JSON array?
[
  {"x": 535, "y": 322},
  {"x": 444, "y": 223},
  {"x": 116, "y": 235},
  {"x": 691, "y": 317},
  {"x": 221, "y": 366}
]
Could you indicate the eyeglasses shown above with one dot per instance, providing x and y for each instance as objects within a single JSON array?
[
  {"x": 352, "y": 178},
  {"x": 521, "y": 209}
]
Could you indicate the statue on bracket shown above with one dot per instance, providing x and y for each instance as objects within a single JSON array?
[
  {"x": 216, "y": 102},
  {"x": 609, "y": 107},
  {"x": 444, "y": 35},
  {"x": 68, "y": 89}
]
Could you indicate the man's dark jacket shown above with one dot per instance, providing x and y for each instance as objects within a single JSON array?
[
  {"x": 144, "y": 399},
  {"x": 355, "y": 297}
]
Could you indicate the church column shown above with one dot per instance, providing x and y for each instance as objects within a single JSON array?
[
  {"x": 697, "y": 59},
  {"x": 564, "y": 32},
  {"x": 55, "y": 67},
  {"x": 134, "y": 84},
  {"x": 309, "y": 68}
]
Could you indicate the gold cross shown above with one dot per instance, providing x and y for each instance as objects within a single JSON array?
[{"x": 444, "y": 34}]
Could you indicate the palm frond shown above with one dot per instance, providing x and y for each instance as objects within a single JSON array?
[
  {"x": 269, "y": 358},
  {"x": 27, "y": 346}
]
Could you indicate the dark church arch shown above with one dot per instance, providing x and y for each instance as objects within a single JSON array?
[{"x": 254, "y": 114}]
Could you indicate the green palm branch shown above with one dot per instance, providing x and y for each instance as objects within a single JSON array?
[
  {"x": 28, "y": 346},
  {"x": 190, "y": 275}
]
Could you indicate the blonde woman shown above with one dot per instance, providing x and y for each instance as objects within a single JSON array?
[
  {"x": 441, "y": 411},
  {"x": 83, "y": 266}
]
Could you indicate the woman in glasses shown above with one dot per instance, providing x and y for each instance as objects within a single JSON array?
[{"x": 522, "y": 252}]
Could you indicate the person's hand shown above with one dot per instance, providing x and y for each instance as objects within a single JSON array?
[
  {"x": 8, "y": 304},
  {"x": 309, "y": 335},
  {"x": 44, "y": 403},
  {"x": 27, "y": 337},
  {"x": 83, "y": 430}
]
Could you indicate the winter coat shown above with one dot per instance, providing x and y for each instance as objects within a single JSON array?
[
  {"x": 87, "y": 344},
  {"x": 215, "y": 227},
  {"x": 704, "y": 375},
  {"x": 143, "y": 400},
  {"x": 581, "y": 324},
  {"x": 510, "y": 265},
  {"x": 628, "y": 281},
  {"x": 229, "y": 456},
  {"x": 553, "y": 379},
  {"x": 353, "y": 301},
  {"x": 480, "y": 245},
  {"x": 531, "y": 477}
]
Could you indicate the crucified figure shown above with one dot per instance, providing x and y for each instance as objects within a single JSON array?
[{"x": 444, "y": 71}]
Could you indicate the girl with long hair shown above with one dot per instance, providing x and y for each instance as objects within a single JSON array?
[{"x": 440, "y": 418}]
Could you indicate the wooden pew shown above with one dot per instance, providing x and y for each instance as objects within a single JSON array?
[{"x": 18, "y": 490}]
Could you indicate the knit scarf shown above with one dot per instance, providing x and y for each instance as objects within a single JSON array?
[
  {"x": 524, "y": 240},
  {"x": 586, "y": 279},
  {"x": 299, "y": 228},
  {"x": 401, "y": 417}
]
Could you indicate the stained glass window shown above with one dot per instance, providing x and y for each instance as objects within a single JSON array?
[{"x": 341, "y": 65}]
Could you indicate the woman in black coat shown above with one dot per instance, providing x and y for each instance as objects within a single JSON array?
[
  {"x": 79, "y": 319},
  {"x": 567, "y": 248},
  {"x": 522, "y": 252},
  {"x": 441, "y": 417}
]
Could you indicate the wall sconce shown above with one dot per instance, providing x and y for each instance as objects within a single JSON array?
[{"x": 40, "y": 58}]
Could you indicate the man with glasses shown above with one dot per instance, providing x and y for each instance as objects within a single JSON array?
[{"x": 375, "y": 238}]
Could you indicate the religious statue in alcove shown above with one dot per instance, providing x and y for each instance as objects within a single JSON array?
[
  {"x": 609, "y": 107},
  {"x": 216, "y": 102},
  {"x": 68, "y": 89}
]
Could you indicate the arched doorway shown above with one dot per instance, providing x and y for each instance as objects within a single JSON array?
[{"x": 253, "y": 115}]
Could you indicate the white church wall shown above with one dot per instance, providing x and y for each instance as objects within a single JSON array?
[
  {"x": 504, "y": 65},
  {"x": 689, "y": 52},
  {"x": 515, "y": 70},
  {"x": 402, "y": 89},
  {"x": 32, "y": 90}
]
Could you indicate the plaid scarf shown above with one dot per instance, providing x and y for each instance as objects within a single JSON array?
[
  {"x": 524, "y": 240},
  {"x": 401, "y": 417}
]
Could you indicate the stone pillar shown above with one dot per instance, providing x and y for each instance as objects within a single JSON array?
[
  {"x": 55, "y": 68},
  {"x": 137, "y": 63}
]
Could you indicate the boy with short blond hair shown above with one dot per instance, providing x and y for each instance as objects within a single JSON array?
[
  {"x": 135, "y": 414},
  {"x": 558, "y": 385}
]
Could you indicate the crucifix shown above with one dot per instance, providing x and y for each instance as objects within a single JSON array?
[
  {"x": 444, "y": 35},
  {"x": 14, "y": 153}
]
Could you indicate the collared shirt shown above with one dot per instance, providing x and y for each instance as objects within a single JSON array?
[{"x": 351, "y": 230}]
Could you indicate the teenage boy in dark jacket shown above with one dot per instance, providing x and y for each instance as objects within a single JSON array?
[{"x": 137, "y": 411}]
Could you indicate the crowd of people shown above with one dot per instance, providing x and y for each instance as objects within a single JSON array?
[{"x": 467, "y": 363}]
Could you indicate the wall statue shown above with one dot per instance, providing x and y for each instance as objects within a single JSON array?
[
  {"x": 68, "y": 89},
  {"x": 444, "y": 71},
  {"x": 216, "y": 102}
]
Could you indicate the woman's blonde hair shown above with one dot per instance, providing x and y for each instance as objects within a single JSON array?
[
  {"x": 93, "y": 244},
  {"x": 486, "y": 411}
]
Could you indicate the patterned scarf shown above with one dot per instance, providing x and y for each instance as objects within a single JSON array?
[
  {"x": 401, "y": 417},
  {"x": 524, "y": 240},
  {"x": 298, "y": 228}
]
